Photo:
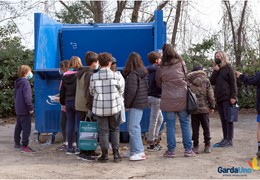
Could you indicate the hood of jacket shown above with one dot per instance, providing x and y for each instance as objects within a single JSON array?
[
  {"x": 69, "y": 77},
  {"x": 141, "y": 72},
  {"x": 197, "y": 77},
  {"x": 82, "y": 71},
  {"x": 19, "y": 81}
]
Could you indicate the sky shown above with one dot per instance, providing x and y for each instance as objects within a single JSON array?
[{"x": 208, "y": 12}]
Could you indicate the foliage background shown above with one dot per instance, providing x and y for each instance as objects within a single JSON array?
[{"x": 12, "y": 55}]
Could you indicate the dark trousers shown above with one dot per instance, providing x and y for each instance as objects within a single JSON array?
[
  {"x": 227, "y": 127},
  {"x": 82, "y": 116},
  {"x": 63, "y": 125},
  {"x": 72, "y": 121},
  {"x": 108, "y": 126},
  {"x": 23, "y": 124},
  {"x": 196, "y": 120}
]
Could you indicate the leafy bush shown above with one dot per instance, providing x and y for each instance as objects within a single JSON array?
[{"x": 12, "y": 55}]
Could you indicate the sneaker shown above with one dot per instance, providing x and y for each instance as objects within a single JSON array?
[
  {"x": 189, "y": 153},
  {"x": 218, "y": 144},
  {"x": 226, "y": 143},
  {"x": 76, "y": 150},
  {"x": 61, "y": 148},
  {"x": 153, "y": 148},
  {"x": 137, "y": 157},
  {"x": 17, "y": 146},
  {"x": 159, "y": 146},
  {"x": 169, "y": 154},
  {"x": 207, "y": 149},
  {"x": 27, "y": 149},
  {"x": 85, "y": 157},
  {"x": 70, "y": 151},
  {"x": 95, "y": 154},
  {"x": 195, "y": 149}
]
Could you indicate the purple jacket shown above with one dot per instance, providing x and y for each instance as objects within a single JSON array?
[{"x": 22, "y": 97}]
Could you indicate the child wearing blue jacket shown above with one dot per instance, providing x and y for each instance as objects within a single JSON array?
[
  {"x": 23, "y": 108},
  {"x": 253, "y": 80}
]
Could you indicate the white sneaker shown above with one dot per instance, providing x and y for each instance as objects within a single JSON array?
[{"x": 137, "y": 157}]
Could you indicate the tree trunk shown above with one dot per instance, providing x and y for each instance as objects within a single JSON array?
[
  {"x": 136, "y": 8},
  {"x": 97, "y": 10},
  {"x": 120, "y": 7},
  {"x": 176, "y": 22},
  {"x": 239, "y": 35}
]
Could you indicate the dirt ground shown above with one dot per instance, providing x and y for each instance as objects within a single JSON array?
[{"x": 48, "y": 163}]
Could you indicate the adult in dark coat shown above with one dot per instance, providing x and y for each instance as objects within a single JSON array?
[{"x": 224, "y": 80}]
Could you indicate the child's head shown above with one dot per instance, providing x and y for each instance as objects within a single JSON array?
[
  {"x": 154, "y": 57},
  {"x": 113, "y": 65},
  {"x": 105, "y": 59},
  {"x": 75, "y": 62},
  {"x": 64, "y": 66},
  {"x": 90, "y": 58},
  {"x": 23, "y": 70}
]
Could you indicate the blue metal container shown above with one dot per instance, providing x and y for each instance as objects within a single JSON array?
[{"x": 55, "y": 42}]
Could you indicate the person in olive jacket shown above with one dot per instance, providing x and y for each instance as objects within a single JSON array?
[
  {"x": 224, "y": 80},
  {"x": 136, "y": 100}
]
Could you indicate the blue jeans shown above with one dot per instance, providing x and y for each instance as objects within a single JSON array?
[
  {"x": 170, "y": 118},
  {"x": 156, "y": 119},
  {"x": 134, "y": 129}
]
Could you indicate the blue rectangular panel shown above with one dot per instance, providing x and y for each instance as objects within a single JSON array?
[{"x": 119, "y": 42}]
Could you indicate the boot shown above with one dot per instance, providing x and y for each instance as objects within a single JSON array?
[
  {"x": 196, "y": 149},
  {"x": 117, "y": 157},
  {"x": 104, "y": 156},
  {"x": 207, "y": 149}
]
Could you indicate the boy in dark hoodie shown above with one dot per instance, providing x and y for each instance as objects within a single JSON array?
[
  {"x": 23, "y": 108},
  {"x": 154, "y": 101}
]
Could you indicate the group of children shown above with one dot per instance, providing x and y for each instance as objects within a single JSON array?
[{"x": 94, "y": 92}]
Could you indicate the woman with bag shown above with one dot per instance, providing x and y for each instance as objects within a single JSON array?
[
  {"x": 224, "y": 80},
  {"x": 171, "y": 78}
]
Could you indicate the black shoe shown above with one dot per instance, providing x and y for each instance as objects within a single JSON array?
[
  {"x": 104, "y": 156},
  {"x": 86, "y": 158},
  {"x": 218, "y": 144},
  {"x": 226, "y": 143},
  {"x": 95, "y": 154},
  {"x": 117, "y": 157}
]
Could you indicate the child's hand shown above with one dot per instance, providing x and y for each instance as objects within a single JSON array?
[{"x": 31, "y": 112}]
